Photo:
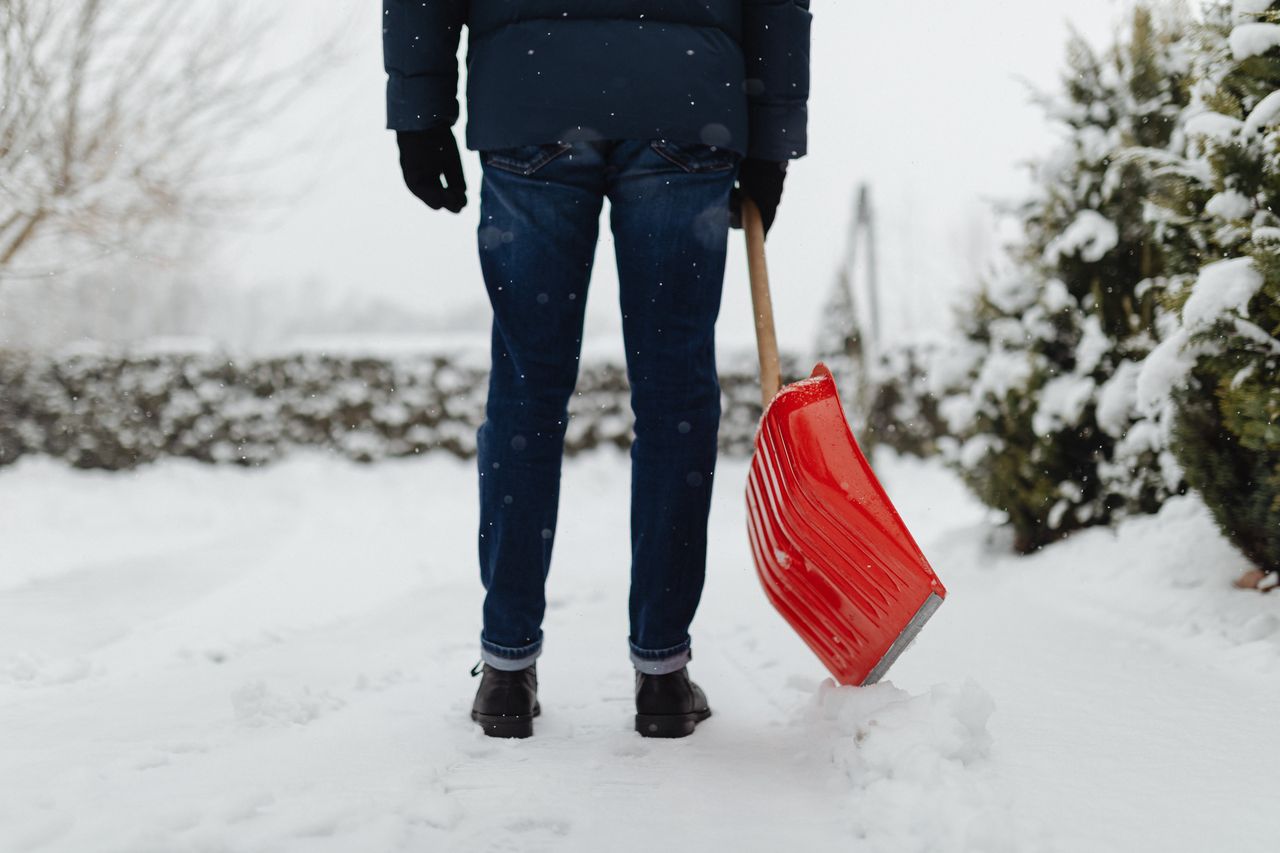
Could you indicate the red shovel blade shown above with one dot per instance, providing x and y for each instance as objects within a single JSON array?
[{"x": 834, "y": 556}]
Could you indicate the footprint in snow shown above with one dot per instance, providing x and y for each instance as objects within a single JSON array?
[
  {"x": 152, "y": 761},
  {"x": 247, "y": 807},
  {"x": 631, "y": 749},
  {"x": 555, "y": 826},
  {"x": 255, "y": 704}
]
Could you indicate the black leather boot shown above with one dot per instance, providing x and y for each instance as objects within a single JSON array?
[
  {"x": 669, "y": 705},
  {"x": 507, "y": 702}
]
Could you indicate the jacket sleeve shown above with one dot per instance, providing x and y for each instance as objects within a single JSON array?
[
  {"x": 420, "y": 53},
  {"x": 776, "y": 47}
]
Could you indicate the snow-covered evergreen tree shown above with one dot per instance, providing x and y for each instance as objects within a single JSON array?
[
  {"x": 840, "y": 346},
  {"x": 1048, "y": 429},
  {"x": 839, "y": 339},
  {"x": 1218, "y": 372},
  {"x": 887, "y": 396}
]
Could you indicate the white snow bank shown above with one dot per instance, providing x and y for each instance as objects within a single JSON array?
[
  {"x": 1148, "y": 670},
  {"x": 1091, "y": 235},
  {"x": 163, "y": 705},
  {"x": 1172, "y": 572},
  {"x": 914, "y": 762}
]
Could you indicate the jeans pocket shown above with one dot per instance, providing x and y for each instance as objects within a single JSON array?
[
  {"x": 695, "y": 156},
  {"x": 524, "y": 159}
]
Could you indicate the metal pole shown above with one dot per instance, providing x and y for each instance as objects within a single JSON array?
[{"x": 866, "y": 224}]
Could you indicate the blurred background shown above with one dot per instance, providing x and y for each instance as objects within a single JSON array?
[{"x": 294, "y": 221}]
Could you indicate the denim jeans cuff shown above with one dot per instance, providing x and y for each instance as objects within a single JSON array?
[
  {"x": 509, "y": 659},
  {"x": 662, "y": 661}
]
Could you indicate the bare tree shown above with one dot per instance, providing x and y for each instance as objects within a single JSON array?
[{"x": 119, "y": 118}]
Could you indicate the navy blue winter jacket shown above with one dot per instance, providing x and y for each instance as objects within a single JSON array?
[{"x": 732, "y": 73}]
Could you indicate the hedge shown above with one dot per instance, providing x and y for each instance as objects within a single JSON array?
[{"x": 116, "y": 410}]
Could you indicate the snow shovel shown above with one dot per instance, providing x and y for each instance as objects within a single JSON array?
[{"x": 831, "y": 551}]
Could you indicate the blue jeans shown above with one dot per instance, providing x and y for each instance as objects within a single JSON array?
[{"x": 539, "y": 221}]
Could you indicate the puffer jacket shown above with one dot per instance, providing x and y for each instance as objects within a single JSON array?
[{"x": 731, "y": 73}]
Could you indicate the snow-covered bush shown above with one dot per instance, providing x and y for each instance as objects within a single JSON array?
[
  {"x": 886, "y": 394},
  {"x": 1217, "y": 376},
  {"x": 1045, "y": 422},
  {"x": 116, "y": 410},
  {"x": 902, "y": 401},
  {"x": 12, "y": 444}
]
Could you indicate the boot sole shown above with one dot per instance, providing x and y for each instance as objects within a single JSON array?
[
  {"x": 669, "y": 725},
  {"x": 502, "y": 726}
]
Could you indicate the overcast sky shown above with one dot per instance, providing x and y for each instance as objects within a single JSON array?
[{"x": 926, "y": 101}]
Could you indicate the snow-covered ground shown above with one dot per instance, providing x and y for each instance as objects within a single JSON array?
[{"x": 208, "y": 659}]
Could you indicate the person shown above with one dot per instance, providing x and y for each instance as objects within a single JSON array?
[{"x": 672, "y": 110}]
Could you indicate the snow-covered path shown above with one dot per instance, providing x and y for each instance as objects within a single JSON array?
[{"x": 210, "y": 659}]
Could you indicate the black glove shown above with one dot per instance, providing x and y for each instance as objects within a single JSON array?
[
  {"x": 428, "y": 159},
  {"x": 760, "y": 181}
]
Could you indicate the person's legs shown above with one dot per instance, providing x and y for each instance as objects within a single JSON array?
[
  {"x": 539, "y": 218},
  {"x": 670, "y": 220}
]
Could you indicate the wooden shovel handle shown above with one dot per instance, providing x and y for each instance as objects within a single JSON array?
[{"x": 761, "y": 303}]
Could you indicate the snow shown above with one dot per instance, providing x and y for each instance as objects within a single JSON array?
[
  {"x": 1096, "y": 143},
  {"x": 1164, "y": 371},
  {"x": 1055, "y": 296},
  {"x": 1094, "y": 345},
  {"x": 204, "y": 658},
  {"x": 948, "y": 731},
  {"x": 950, "y": 365},
  {"x": 1223, "y": 287},
  {"x": 1011, "y": 291},
  {"x": 1254, "y": 39},
  {"x": 1001, "y": 372},
  {"x": 1265, "y": 114},
  {"x": 1229, "y": 205},
  {"x": 1117, "y": 400},
  {"x": 1266, "y": 234},
  {"x": 958, "y": 412},
  {"x": 1062, "y": 401},
  {"x": 1248, "y": 9},
  {"x": 1091, "y": 235},
  {"x": 975, "y": 450},
  {"x": 1214, "y": 125}
]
